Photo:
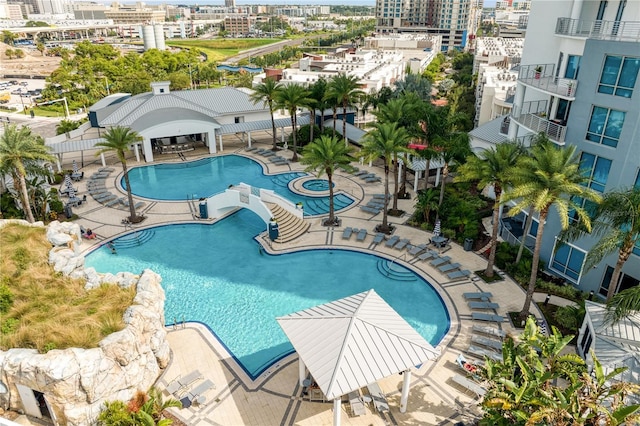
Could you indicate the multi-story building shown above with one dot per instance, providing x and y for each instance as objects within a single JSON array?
[
  {"x": 578, "y": 83},
  {"x": 229, "y": 3},
  {"x": 448, "y": 18},
  {"x": 237, "y": 24},
  {"x": 135, "y": 14}
]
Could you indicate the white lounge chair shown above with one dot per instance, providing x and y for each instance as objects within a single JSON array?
[
  {"x": 196, "y": 395},
  {"x": 356, "y": 404},
  {"x": 469, "y": 385},
  {"x": 181, "y": 383},
  {"x": 378, "y": 398}
]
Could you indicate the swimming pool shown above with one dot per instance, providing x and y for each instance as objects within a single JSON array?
[
  {"x": 218, "y": 275},
  {"x": 317, "y": 184},
  {"x": 209, "y": 176}
]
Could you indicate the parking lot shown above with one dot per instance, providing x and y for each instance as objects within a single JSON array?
[{"x": 22, "y": 92}]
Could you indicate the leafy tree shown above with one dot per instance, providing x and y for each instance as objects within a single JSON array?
[
  {"x": 427, "y": 202},
  {"x": 118, "y": 139},
  {"x": 492, "y": 167},
  {"x": 324, "y": 155},
  {"x": 145, "y": 408},
  {"x": 267, "y": 93},
  {"x": 550, "y": 176},
  {"x": 413, "y": 83},
  {"x": 345, "y": 91},
  {"x": 41, "y": 47},
  {"x": 19, "y": 148},
  {"x": 385, "y": 141},
  {"x": 616, "y": 224},
  {"x": 8, "y": 37},
  {"x": 292, "y": 97}
]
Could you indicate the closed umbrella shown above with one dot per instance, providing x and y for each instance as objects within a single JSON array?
[
  {"x": 68, "y": 184},
  {"x": 76, "y": 175},
  {"x": 75, "y": 167},
  {"x": 436, "y": 229},
  {"x": 72, "y": 196}
]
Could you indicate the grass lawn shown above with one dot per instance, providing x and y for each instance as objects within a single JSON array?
[
  {"x": 222, "y": 48},
  {"x": 45, "y": 310}
]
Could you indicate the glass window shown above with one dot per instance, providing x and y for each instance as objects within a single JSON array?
[
  {"x": 573, "y": 66},
  {"x": 568, "y": 261},
  {"x": 596, "y": 169},
  {"x": 619, "y": 74},
  {"x": 605, "y": 126},
  {"x": 637, "y": 184}
]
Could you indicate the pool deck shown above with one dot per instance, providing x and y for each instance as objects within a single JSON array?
[{"x": 275, "y": 398}]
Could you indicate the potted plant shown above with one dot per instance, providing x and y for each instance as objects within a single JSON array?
[{"x": 538, "y": 72}]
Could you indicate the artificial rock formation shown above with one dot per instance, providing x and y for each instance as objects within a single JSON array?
[{"x": 77, "y": 382}]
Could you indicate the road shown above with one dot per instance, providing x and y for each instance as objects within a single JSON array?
[{"x": 262, "y": 50}]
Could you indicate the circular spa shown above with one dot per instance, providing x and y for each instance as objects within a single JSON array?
[
  {"x": 220, "y": 276},
  {"x": 317, "y": 185}
]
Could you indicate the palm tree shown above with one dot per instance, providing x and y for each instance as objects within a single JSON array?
[
  {"x": 324, "y": 155},
  {"x": 492, "y": 167},
  {"x": 291, "y": 97},
  {"x": 19, "y": 148},
  {"x": 455, "y": 148},
  {"x": 386, "y": 140},
  {"x": 427, "y": 202},
  {"x": 550, "y": 176},
  {"x": 345, "y": 91},
  {"x": 118, "y": 139},
  {"x": 623, "y": 304},
  {"x": 267, "y": 93},
  {"x": 316, "y": 92}
]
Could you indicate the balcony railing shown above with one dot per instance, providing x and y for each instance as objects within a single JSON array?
[
  {"x": 602, "y": 30},
  {"x": 532, "y": 115},
  {"x": 504, "y": 126},
  {"x": 542, "y": 76}
]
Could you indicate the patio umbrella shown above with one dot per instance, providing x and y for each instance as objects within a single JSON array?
[
  {"x": 436, "y": 229},
  {"x": 68, "y": 184},
  {"x": 75, "y": 167}
]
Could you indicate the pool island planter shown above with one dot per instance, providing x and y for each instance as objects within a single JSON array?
[{"x": 77, "y": 382}]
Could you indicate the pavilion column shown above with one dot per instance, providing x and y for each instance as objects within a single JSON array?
[
  {"x": 302, "y": 371},
  {"x": 136, "y": 150},
  {"x": 211, "y": 142},
  {"x": 406, "y": 384},
  {"x": 220, "y": 140},
  {"x": 58, "y": 163},
  {"x": 337, "y": 406},
  {"x": 104, "y": 163},
  {"x": 282, "y": 135},
  {"x": 248, "y": 139},
  {"x": 416, "y": 177},
  {"x": 146, "y": 150},
  {"x": 400, "y": 165},
  {"x": 437, "y": 176}
]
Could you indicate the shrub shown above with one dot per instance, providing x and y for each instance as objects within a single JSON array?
[
  {"x": 8, "y": 207},
  {"x": 6, "y": 298},
  {"x": 565, "y": 291},
  {"x": 570, "y": 317}
]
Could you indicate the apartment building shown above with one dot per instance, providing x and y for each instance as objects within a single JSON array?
[{"x": 578, "y": 84}]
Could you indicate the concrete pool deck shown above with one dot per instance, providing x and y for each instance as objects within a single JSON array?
[{"x": 275, "y": 398}]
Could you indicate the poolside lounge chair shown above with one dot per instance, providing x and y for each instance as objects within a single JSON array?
[
  {"x": 416, "y": 250},
  {"x": 491, "y": 331},
  {"x": 362, "y": 234},
  {"x": 112, "y": 202},
  {"x": 367, "y": 176},
  {"x": 361, "y": 173},
  {"x": 381, "y": 196},
  {"x": 449, "y": 268},
  {"x": 469, "y": 385},
  {"x": 429, "y": 254},
  {"x": 378, "y": 238},
  {"x": 378, "y": 398},
  {"x": 181, "y": 383},
  {"x": 482, "y": 295},
  {"x": 483, "y": 305},
  {"x": 458, "y": 275},
  {"x": 251, "y": 148},
  {"x": 401, "y": 244},
  {"x": 478, "y": 316},
  {"x": 196, "y": 395},
  {"x": 372, "y": 179},
  {"x": 356, "y": 404},
  {"x": 392, "y": 241},
  {"x": 376, "y": 205},
  {"x": 370, "y": 209},
  {"x": 482, "y": 353},
  {"x": 485, "y": 341},
  {"x": 106, "y": 169},
  {"x": 439, "y": 261},
  {"x": 346, "y": 234}
]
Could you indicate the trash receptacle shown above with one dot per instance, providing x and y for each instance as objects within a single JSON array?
[
  {"x": 204, "y": 211},
  {"x": 67, "y": 211},
  {"x": 273, "y": 230},
  {"x": 468, "y": 244}
]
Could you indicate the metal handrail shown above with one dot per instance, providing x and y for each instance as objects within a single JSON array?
[
  {"x": 598, "y": 29},
  {"x": 542, "y": 76}
]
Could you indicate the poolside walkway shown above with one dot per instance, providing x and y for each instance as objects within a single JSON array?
[{"x": 275, "y": 398}]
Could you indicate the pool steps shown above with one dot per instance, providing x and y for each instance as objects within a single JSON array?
[
  {"x": 393, "y": 272},
  {"x": 136, "y": 238},
  {"x": 290, "y": 227}
]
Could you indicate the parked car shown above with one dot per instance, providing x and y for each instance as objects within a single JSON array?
[{"x": 17, "y": 92}]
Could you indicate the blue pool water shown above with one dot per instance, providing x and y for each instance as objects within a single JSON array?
[
  {"x": 218, "y": 275},
  {"x": 209, "y": 176},
  {"x": 317, "y": 185}
]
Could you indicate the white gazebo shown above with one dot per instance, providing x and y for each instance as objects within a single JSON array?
[{"x": 352, "y": 342}]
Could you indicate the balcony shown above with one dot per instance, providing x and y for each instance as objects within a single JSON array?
[
  {"x": 532, "y": 115},
  {"x": 601, "y": 30},
  {"x": 542, "y": 77}
]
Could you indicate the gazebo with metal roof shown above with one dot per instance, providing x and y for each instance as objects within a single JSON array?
[{"x": 352, "y": 342}]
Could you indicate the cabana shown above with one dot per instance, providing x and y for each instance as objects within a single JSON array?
[{"x": 352, "y": 342}]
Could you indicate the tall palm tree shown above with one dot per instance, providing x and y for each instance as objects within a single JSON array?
[
  {"x": 623, "y": 304},
  {"x": 492, "y": 167},
  {"x": 345, "y": 90},
  {"x": 455, "y": 148},
  {"x": 316, "y": 92},
  {"x": 292, "y": 97},
  {"x": 385, "y": 140},
  {"x": 267, "y": 93},
  {"x": 324, "y": 155},
  {"x": 550, "y": 176},
  {"x": 118, "y": 139},
  {"x": 19, "y": 148},
  {"x": 616, "y": 222}
]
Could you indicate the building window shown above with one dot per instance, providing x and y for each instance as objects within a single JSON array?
[
  {"x": 605, "y": 126},
  {"x": 568, "y": 261},
  {"x": 625, "y": 282},
  {"x": 573, "y": 66},
  {"x": 637, "y": 184},
  {"x": 619, "y": 76},
  {"x": 596, "y": 170}
]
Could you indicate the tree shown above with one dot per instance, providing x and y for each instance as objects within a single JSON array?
[
  {"x": 8, "y": 37},
  {"x": 18, "y": 148},
  {"x": 616, "y": 224},
  {"x": 267, "y": 93},
  {"x": 386, "y": 140},
  {"x": 427, "y": 202},
  {"x": 292, "y": 97},
  {"x": 623, "y": 304},
  {"x": 492, "y": 167},
  {"x": 145, "y": 408},
  {"x": 549, "y": 177},
  {"x": 345, "y": 91},
  {"x": 316, "y": 92},
  {"x": 454, "y": 149},
  {"x": 324, "y": 155},
  {"x": 67, "y": 126},
  {"x": 118, "y": 139},
  {"x": 41, "y": 47}
]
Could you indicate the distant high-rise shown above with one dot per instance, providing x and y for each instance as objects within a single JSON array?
[
  {"x": 230, "y": 3},
  {"x": 448, "y": 18}
]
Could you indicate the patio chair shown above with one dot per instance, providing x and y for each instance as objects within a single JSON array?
[
  {"x": 373, "y": 179},
  {"x": 356, "y": 404},
  {"x": 458, "y": 275},
  {"x": 361, "y": 173},
  {"x": 369, "y": 209},
  {"x": 483, "y": 353},
  {"x": 483, "y": 305},
  {"x": 346, "y": 234},
  {"x": 77, "y": 176},
  {"x": 195, "y": 396},
  {"x": 478, "y": 316},
  {"x": 392, "y": 241},
  {"x": 488, "y": 342},
  {"x": 179, "y": 384},
  {"x": 378, "y": 398},
  {"x": 491, "y": 331},
  {"x": 416, "y": 250},
  {"x": 439, "y": 261},
  {"x": 362, "y": 234},
  {"x": 449, "y": 268},
  {"x": 378, "y": 238},
  {"x": 482, "y": 295},
  {"x": 401, "y": 244},
  {"x": 469, "y": 385}
]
